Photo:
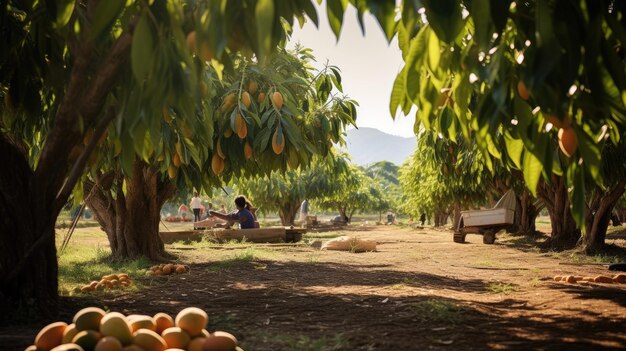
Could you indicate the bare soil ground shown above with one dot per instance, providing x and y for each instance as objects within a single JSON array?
[{"x": 418, "y": 291}]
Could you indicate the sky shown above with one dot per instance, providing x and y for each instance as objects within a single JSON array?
[{"x": 368, "y": 64}]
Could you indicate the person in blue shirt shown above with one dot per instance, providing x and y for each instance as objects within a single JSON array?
[{"x": 243, "y": 216}]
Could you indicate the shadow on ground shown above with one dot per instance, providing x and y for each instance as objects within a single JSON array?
[{"x": 306, "y": 306}]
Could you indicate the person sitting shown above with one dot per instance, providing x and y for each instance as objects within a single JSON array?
[
  {"x": 252, "y": 210},
  {"x": 243, "y": 216}
]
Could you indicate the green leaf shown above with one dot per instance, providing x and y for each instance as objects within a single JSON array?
[
  {"x": 544, "y": 32},
  {"x": 414, "y": 64},
  {"x": 337, "y": 78},
  {"x": 523, "y": 113},
  {"x": 398, "y": 94},
  {"x": 335, "y": 10},
  {"x": 264, "y": 14},
  {"x": 532, "y": 171},
  {"x": 410, "y": 16},
  {"x": 65, "y": 8},
  {"x": 262, "y": 139},
  {"x": 279, "y": 134},
  {"x": 384, "y": 11},
  {"x": 434, "y": 51},
  {"x": 445, "y": 17},
  {"x": 514, "y": 147},
  {"x": 591, "y": 155},
  {"x": 445, "y": 121},
  {"x": 142, "y": 50},
  {"x": 480, "y": 11},
  {"x": 309, "y": 9},
  {"x": 107, "y": 11}
]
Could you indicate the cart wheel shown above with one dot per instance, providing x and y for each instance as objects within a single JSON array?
[
  {"x": 489, "y": 237},
  {"x": 459, "y": 237}
]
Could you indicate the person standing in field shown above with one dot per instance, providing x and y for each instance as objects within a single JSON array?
[
  {"x": 304, "y": 210},
  {"x": 196, "y": 205}
]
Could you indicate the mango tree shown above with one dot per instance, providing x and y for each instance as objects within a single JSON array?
[
  {"x": 263, "y": 118},
  {"x": 70, "y": 71},
  {"x": 385, "y": 186},
  {"x": 489, "y": 61},
  {"x": 284, "y": 192},
  {"x": 602, "y": 200},
  {"x": 446, "y": 175},
  {"x": 353, "y": 191}
]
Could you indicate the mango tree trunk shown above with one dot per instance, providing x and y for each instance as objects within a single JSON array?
[
  {"x": 457, "y": 214},
  {"x": 599, "y": 215},
  {"x": 288, "y": 212},
  {"x": 529, "y": 210},
  {"x": 441, "y": 217},
  {"x": 565, "y": 233},
  {"x": 342, "y": 211},
  {"x": 31, "y": 198},
  {"x": 28, "y": 264},
  {"x": 131, "y": 218}
]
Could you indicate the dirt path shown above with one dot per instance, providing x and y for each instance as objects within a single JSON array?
[{"x": 418, "y": 291}]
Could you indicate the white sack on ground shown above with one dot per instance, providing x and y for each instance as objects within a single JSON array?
[{"x": 347, "y": 243}]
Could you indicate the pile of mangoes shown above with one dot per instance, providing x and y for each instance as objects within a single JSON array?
[
  {"x": 167, "y": 269},
  {"x": 617, "y": 279},
  {"x": 92, "y": 329},
  {"x": 110, "y": 281}
]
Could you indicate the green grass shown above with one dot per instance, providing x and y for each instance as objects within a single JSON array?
[
  {"x": 534, "y": 275},
  {"x": 79, "y": 265},
  {"x": 438, "y": 311},
  {"x": 577, "y": 257},
  {"x": 313, "y": 257},
  {"x": 301, "y": 342},
  {"x": 500, "y": 288},
  {"x": 247, "y": 255}
]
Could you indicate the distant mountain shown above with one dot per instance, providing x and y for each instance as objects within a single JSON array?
[{"x": 369, "y": 145}]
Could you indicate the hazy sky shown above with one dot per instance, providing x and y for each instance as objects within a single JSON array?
[{"x": 368, "y": 67}]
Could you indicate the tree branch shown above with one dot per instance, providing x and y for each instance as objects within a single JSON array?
[{"x": 79, "y": 165}]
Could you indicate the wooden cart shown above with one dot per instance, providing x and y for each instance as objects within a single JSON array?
[{"x": 484, "y": 222}]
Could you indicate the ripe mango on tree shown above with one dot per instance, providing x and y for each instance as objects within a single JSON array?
[
  {"x": 277, "y": 100},
  {"x": 260, "y": 98},
  {"x": 217, "y": 164},
  {"x": 278, "y": 141},
  {"x": 172, "y": 171},
  {"x": 252, "y": 87},
  {"x": 240, "y": 126},
  {"x": 522, "y": 90},
  {"x": 568, "y": 142},
  {"x": 247, "y": 150},
  {"x": 246, "y": 99},
  {"x": 228, "y": 103}
]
